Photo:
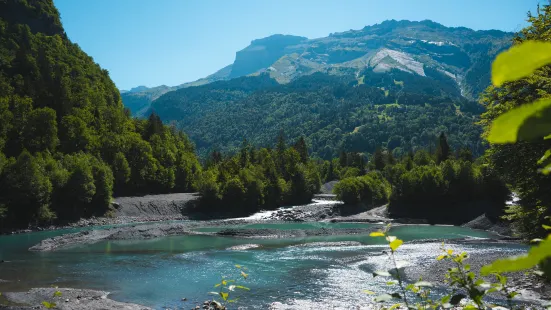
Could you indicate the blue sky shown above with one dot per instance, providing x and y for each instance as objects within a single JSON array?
[{"x": 156, "y": 42}]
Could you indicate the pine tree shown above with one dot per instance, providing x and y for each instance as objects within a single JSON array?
[
  {"x": 408, "y": 161},
  {"x": 154, "y": 126},
  {"x": 244, "y": 153},
  {"x": 330, "y": 172},
  {"x": 281, "y": 146},
  {"x": 302, "y": 149},
  {"x": 390, "y": 160},
  {"x": 378, "y": 159},
  {"x": 443, "y": 149},
  {"x": 343, "y": 159},
  {"x": 280, "y": 152}
]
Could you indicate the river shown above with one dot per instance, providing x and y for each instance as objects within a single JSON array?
[{"x": 310, "y": 272}]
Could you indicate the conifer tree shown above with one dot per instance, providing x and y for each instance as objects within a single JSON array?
[
  {"x": 302, "y": 149},
  {"x": 443, "y": 149},
  {"x": 378, "y": 159}
]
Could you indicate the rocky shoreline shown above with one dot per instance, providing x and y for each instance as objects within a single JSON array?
[
  {"x": 135, "y": 232},
  {"x": 137, "y": 209},
  {"x": 65, "y": 299}
]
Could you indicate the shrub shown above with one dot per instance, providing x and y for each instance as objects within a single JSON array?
[{"x": 348, "y": 190}]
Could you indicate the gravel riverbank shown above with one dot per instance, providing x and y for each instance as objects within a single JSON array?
[{"x": 66, "y": 299}]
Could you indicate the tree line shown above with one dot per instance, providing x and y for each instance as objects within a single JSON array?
[
  {"x": 439, "y": 186},
  {"x": 254, "y": 179}
]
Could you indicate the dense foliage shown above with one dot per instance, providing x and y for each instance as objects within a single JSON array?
[
  {"x": 441, "y": 187},
  {"x": 372, "y": 189},
  {"x": 66, "y": 142},
  {"x": 517, "y": 163},
  {"x": 254, "y": 179},
  {"x": 396, "y": 110}
]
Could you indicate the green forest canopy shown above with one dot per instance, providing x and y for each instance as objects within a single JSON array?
[{"x": 66, "y": 142}]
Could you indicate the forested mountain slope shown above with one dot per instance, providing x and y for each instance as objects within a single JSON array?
[
  {"x": 66, "y": 142},
  {"x": 396, "y": 110}
]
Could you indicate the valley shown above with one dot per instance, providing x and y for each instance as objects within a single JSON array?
[{"x": 401, "y": 165}]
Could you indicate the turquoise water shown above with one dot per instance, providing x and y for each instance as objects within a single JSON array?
[
  {"x": 289, "y": 226},
  {"x": 305, "y": 272}
]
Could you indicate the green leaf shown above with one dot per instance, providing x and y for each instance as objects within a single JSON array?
[
  {"x": 546, "y": 170},
  {"x": 423, "y": 284},
  {"x": 456, "y": 299},
  {"x": 224, "y": 295},
  {"x": 394, "y": 245},
  {"x": 381, "y": 273},
  {"x": 376, "y": 234},
  {"x": 244, "y": 275},
  {"x": 493, "y": 289},
  {"x": 544, "y": 157},
  {"x": 369, "y": 292},
  {"x": 446, "y": 299},
  {"x": 512, "y": 295},
  {"x": 526, "y": 122},
  {"x": 394, "y": 306},
  {"x": 522, "y": 262},
  {"x": 520, "y": 61},
  {"x": 242, "y": 287},
  {"x": 57, "y": 294},
  {"x": 546, "y": 227},
  {"x": 383, "y": 298},
  {"x": 485, "y": 285},
  {"x": 391, "y": 282},
  {"x": 238, "y": 266},
  {"x": 49, "y": 305},
  {"x": 441, "y": 257}
]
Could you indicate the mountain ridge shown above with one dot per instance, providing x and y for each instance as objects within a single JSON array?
[
  {"x": 402, "y": 44},
  {"x": 397, "y": 85}
]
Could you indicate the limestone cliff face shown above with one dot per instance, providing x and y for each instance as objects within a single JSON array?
[{"x": 262, "y": 53}]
